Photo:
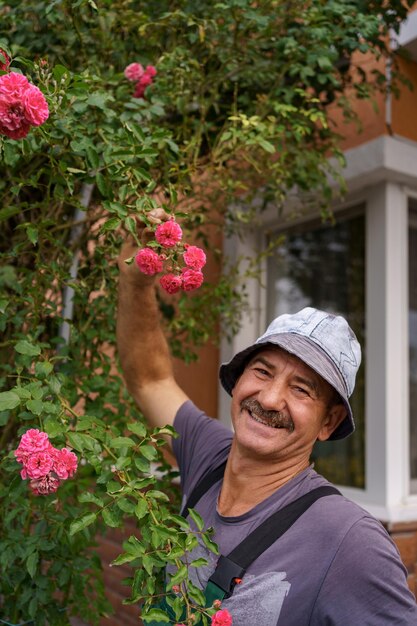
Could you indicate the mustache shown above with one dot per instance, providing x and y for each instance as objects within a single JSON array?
[{"x": 277, "y": 419}]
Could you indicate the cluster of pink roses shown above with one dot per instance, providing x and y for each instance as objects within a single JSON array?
[
  {"x": 187, "y": 277},
  {"x": 43, "y": 464},
  {"x": 22, "y": 105},
  {"x": 143, "y": 77},
  {"x": 221, "y": 618}
]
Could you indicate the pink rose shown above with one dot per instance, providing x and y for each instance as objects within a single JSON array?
[
  {"x": 222, "y": 618},
  {"x": 21, "y": 105},
  {"x": 36, "y": 107},
  {"x": 194, "y": 257},
  {"x": 45, "y": 485},
  {"x": 141, "y": 85},
  {"x": 150, "y": 71},
  {"x": 134, "y": 72},
  {"x": 65, "y": 463},
  {"x": 168, "y": 234},
  {"x": 148, "y": 261},
  {"x": 39, "y": 464},
  {"x": 4, "y": 61},
  {"x": 192, "y": 279},
  {"x": 171, "y": 283},
  {"x": 32, "y": 441}
]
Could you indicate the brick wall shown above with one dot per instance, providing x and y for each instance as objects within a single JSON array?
[{"x": 405, "y": 536}]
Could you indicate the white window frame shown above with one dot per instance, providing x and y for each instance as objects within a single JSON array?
[{"x": 381, "y": 174}]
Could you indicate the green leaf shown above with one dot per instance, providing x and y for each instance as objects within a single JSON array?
[
  {"x": 148, "y": 563},
  {"x": 195, "y": 593},
  {"x": 43, "y": 369},
  {"x": 180, "y": 575},
  {"x": 25, "y": 347},
  {"x": 112, "y": 518},
  {"x": 210, "y": 545},
  {"x": 32, "y": 563},
  {"x": 32, "y": 233},
  {"x": 122, "y": 442},
  {"x": 148, "y": 452},
  {"x": 83, "y": 522},
  {"x": 199, "y": 562},
  {"x": 141, "y": 508},
  {"x": 137, "y": 428},
  {"x": 93, "y": 157},
  {"x": 111, "y": 224},
  {"x": 197, "y": 519},
  {"x": 124, "y": 558},
  {"x": 99, "y": 99},
  {"x": 126, "y": 505},
  {"x": 158, "y": 495},
  {"x": 35, "y": 406},
  {"x": 87, "y": 496},
  {"x": 54, "y": 428},
  {"x": 130, "y": 225},
  {"x": 8, "y": 400},
  {"x": 82, "y": 442},
  {"x": 155, "y": 615}
]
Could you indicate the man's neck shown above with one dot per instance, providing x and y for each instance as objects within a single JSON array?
[{"x": 249, "y": 481}]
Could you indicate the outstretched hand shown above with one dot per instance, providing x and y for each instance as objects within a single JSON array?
[{"x": 130, "y": 248}]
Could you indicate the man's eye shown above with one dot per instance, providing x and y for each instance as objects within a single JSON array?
[
  {"x": 261, "y": 371},
  {"x": 302, "y": 391}
]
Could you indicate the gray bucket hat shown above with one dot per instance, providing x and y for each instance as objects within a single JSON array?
[{"x": 323, "y": 341}]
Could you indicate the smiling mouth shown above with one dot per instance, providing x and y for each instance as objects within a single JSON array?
[{"x": 272, "y": 419}]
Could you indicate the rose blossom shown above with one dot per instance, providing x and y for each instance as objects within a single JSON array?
[
  {"x": 36, "y": 107},
  {"x": 144, "y": 81},
  {"x": 5, "y": 63},
  {"x": 192, "y": 279},
  {"x": 150, "y": 71},
  {"x": 64, "y": 463},
  {"x": 134, "y": 72},
  {"x": 45, "y": 485},
  {"x": 171, "y": 283},
  {"x": 39, "y": 464},
  {"x": 148, "y": 261},
  {"x": 168, "y": 234},
  {"x": 21, "y": 104},
  {"x": 31, "y": 442},
  {"x": 194, "y": 257},
  {"x": 222, "y": 618},
  {"x": 141, "y": 85}
]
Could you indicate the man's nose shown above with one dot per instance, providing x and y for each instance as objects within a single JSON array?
[{"x": 272, "y": 396}]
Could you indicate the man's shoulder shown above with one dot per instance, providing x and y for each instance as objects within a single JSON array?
[{"x": 336, "y": 512}]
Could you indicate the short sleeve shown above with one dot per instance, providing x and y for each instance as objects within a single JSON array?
[
  {"x": 202, "y": 445},
  {"x": 366, "y": 582}
]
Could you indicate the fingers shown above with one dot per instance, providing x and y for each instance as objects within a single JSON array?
[
  {"x": 155, "y": 216},
  {"x": 145, "y": 235}
]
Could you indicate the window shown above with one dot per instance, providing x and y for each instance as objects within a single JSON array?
[
  {"x": 324, "y": 266},
  {"x": 412, "y": 322}
]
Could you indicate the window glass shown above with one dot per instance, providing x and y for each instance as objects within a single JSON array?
[
  {"x": 412, "y": 321},
  {"x": 324, "y": 266}
]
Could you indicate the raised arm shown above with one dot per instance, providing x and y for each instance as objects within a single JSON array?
[{"x": 142, "y": 346}]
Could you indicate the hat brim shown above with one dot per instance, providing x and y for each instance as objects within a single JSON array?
[{"x": 307, "y": 351}]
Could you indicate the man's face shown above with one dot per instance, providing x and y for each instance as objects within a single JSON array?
[{"x": 280, "y": 407}]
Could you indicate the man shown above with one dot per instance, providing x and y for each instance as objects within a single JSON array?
[{"x": 336, "y": 565}]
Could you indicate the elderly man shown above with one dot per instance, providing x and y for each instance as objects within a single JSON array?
[{"x": 333, "y": 564}]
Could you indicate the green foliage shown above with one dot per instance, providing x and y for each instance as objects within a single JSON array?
[{"x": 239, "y": 107}]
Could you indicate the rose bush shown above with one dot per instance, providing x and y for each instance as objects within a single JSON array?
[{"x": 88, "y": 145}]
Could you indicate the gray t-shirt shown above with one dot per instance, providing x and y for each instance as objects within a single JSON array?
[{"x": 335, "y": 566}]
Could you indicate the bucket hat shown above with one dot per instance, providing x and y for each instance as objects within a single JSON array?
[{"x": 323, "y": 341}]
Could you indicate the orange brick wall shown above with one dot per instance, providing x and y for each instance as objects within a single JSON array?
[{"x": 405, "y": 536}]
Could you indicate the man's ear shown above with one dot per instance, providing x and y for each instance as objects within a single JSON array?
[{"x": 334, "y": 417}]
